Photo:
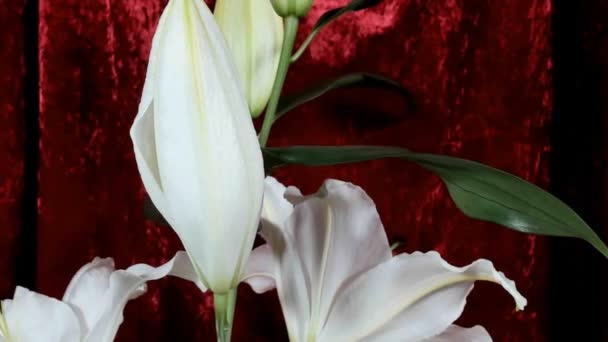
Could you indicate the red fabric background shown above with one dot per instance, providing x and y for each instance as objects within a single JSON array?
[
  {"x": 479, "y": 72},
  {"x": 12, "y": 140}
]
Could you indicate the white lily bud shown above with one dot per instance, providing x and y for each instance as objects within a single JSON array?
[
  {"x": 254, "y": 33},
  {"x": 292, "y": 8},
  {"x": 196, "y": 147}
]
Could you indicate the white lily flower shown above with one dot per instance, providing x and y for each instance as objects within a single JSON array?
[
  {"x": 92, "y": 306},
  {"x": 254, "y": 33},
  {"x": 329, "y": 258},
  {"x": 196, "y": 147}
]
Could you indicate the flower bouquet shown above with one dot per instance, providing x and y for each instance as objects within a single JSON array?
[{"x": 208, "y": 174}]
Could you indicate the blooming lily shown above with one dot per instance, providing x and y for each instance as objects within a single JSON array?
[
  {"x": 329, "y": 259},
  {"x": 196, "y": 147},
  {"x": 254, "y": 33},
  {"x": 92, "y": 306}
]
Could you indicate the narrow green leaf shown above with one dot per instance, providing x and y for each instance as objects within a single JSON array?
[
  {"x": 330, "y": 16},
  {"x": 479, "y": 191},
  {"x": 359, "y": 79}
]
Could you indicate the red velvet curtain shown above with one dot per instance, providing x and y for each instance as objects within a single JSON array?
[
  {"x": 480, "y": 75},
  {"x": 12, "y": 139}
]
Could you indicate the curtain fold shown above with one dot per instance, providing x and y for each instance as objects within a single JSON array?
[
  {"x": 481, "y": 78},
  {"x": 12, "y": 140},
  {"x": 577, "y": 300}
]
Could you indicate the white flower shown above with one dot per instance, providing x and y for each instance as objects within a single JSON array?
[
  {"x": 196, "y": 147},
  {"x": 254, "y": 33},
  {"x": 92, "y": 306},
  {"x": 329, "y": 258}
]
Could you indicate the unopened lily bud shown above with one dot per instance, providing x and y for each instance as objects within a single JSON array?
[
  {"x": 291, "y": 8},
  {"x": 254, "y": 33},
  {"x": 195, "y": 145}
]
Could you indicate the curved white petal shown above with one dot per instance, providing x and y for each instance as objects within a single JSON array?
[
  {"x": 208, "y": 160},
  {"x": 338, "y": 234},
  {"x": 332, "y": 237},
  {"x": 254, "y": 33},
  {"x": 180, "y": 266},
  {"x": 455, "y": 333},
  {"x": 293, "y": 284},
  {"x": 276, "y": 209},
  {"x": 261, "y": 266},
  {"x": 413, "y": 297},
  {"x": 293, "y": 195},
  {"x": 144, "y": 146},
  {"x": 87, "y": 289},
  {"x": 122, "y": 286},
  {"x": 143, "y": 133},
  {"x": 98, "y": 293},
  {"x": 32, "y": 317}
]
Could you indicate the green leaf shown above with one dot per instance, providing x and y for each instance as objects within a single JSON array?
[
  {"x": 330, "y": 16},
  {"x": 480, "y": 191},
  {"x": 359, "y": 79}
]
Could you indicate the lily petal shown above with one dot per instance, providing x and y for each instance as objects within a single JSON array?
[
  {"x": 143, "y": 133},
  {"x": 331, "y": 236},
  {"x": 294, "y": 288},
  {"x": 455, "y": 333},
  {"x": 294, "y": 195},
  {"x": 276, "y": 209},
  {"x": 144, "y": 145},
  {"x": 33, "y": 317},
  {"x": 86, "y": 289},
  {"x": 413, "y": 297},
  {"x": 259, "y": 273},
  {"x": 180, "y": 266},
  {"x": 98, "y": 293},
  {"x": 209, "y": 159},
  {"x": 338, "y": 235}
]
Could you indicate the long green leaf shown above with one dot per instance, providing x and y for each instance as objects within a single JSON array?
[
  {"x": 359, "y": 79},
  {"x": 330, "y": 16},
  {"x": 480, "y": 191}
]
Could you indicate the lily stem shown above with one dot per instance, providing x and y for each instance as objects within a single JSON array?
[
  {"x": 291, "y": 30},
  {"x": 224, "y": 314}
]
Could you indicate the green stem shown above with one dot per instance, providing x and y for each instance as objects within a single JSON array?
[
  {"x": 316, "y": 29},
  {"x": 291, "y": 30},
  {"x": 224, "y": 314},
  {"x": 304, "y": 46},
  {"x": 395, "y": 245}
]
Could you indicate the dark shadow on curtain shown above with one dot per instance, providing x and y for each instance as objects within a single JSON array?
[
  {"x": 25, "y": 270},
  {"x": 577, "y": 284}
]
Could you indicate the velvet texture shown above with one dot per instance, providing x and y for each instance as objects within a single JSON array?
[
  {"x": 12, "y": 139},
  {"x": 481, "y": 79}
]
